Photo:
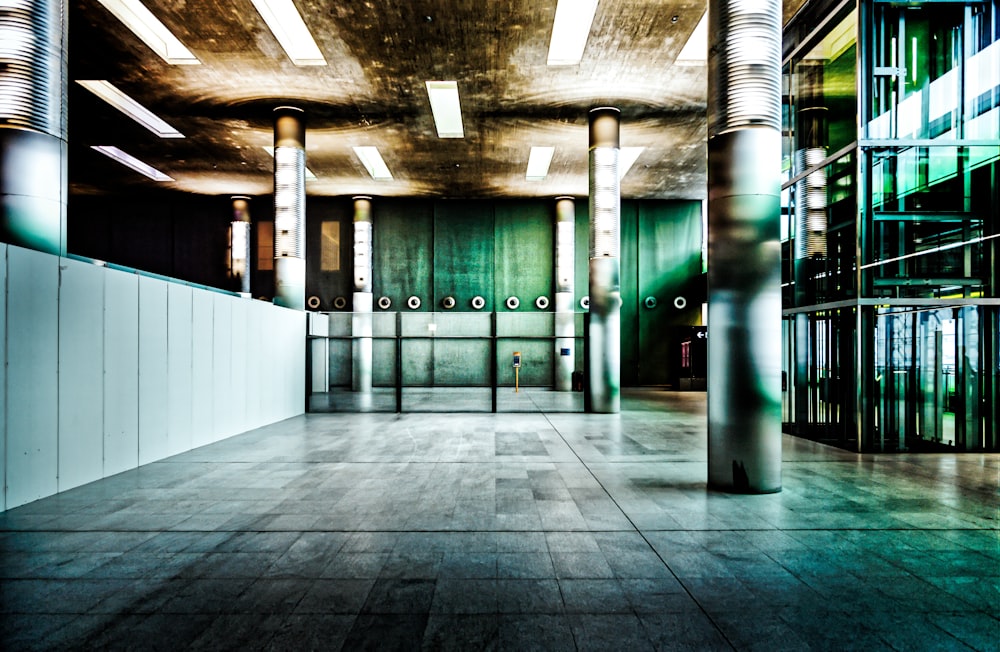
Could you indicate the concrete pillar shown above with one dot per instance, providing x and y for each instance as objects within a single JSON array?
[
  {"x": 239, "y": 243},
  {"x": 361, "y": 321},
  {"x": 565, "y": 331},
  {"x": 289, "y": 207},
  {"x": 33, "y": 151},
  {"x": 604, "y": 333},
  {"x": 744, "y": 254}
]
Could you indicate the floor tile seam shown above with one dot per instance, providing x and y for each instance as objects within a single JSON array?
[{"x": 701, "y": 607}]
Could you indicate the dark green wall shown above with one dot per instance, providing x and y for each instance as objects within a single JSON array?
[
  {"x": 463, "y": 253},
  {"x": 403, "y": 251},
  {"x": 524, "y": 253}
]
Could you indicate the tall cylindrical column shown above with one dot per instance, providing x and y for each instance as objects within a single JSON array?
[
  {"x": 239, "y": 243},
  {"x": 603, "y": 335},
  {"x": 362, "y": 318},
  {"x": 565, "y": 330},
  {"x": 289, "y": 207},
  {"x": 33, "y": 152},
  {"x": 744, "y": 259}
]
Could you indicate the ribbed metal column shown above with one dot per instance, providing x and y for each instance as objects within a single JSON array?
[
  {"x": 744, "y": 257},
  {"x": 565, "y": 310},
  {"x": 289, "y": 207},
  {"x": 604, "y": 334},
  {"x": 33, "y": 152},
  {"x": 239, "y": 243},
  {"x": 362, "y": 319}
]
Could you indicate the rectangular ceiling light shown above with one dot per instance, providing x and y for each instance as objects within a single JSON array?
[
  {"x": 626, "y": 159},
  {"x": 285, "y": 22},
  {"x": 110, "y": 94},
  {"x": 130, "y": 161},
  {"x": 538, "y": 163},
  {"x": 153, "y": 33},
  {"x": 372, "y": 160},
  {"x": 695, "y": 51},
  {"x": 446, "y": 108},
  {"x": 270, "y": 152},
  {"x": 570, "y": 31}
]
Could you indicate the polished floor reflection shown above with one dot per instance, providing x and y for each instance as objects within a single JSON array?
[{"x": 511, "y": 531}]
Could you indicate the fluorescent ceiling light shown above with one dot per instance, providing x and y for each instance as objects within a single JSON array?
[
  {"x": 446, "y": 108},
  {"x": 153, "y": 33},
  {"x": 270, "y": 151},
  {"x": 695, "y": 51},
  {"x": 626, "y": 159},
  {"x": 372, "y": 160},
  {"x": 130, "y": 161},
  {"x": 570, "y": 30},
  {"x": 110, "y": 94},
  {"x": 287, "y": 25},
  {"x": 538, "y": 163}
]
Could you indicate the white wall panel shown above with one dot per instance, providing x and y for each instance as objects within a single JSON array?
[
  {"x": 255, "y": 364},
  {"x": 179, "y": 338},
  {"x": 32, "y": 382},
  {"x": 222, "y": 368},
  {"x": 297, "y": 353},
  {"x": 81, "y": 374},
  {"x": 104, "y": 368},
  {"x": 121, "y": 371},
  {"x": 201, "y": 368},
  {"x": 153, "y": 414},
  {"x": 238, "y": 380}
]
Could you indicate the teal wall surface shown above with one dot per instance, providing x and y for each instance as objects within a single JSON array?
[
  {"x": 463, "y": 253},
  {"x": 403, "y": 251}
]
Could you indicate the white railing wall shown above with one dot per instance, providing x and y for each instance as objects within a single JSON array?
[{"x": 105, "y": 370}]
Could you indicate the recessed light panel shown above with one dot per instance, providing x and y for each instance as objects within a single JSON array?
[
  {"x": 110, "y": 94},
  {"x": 446, "y": 108},
  {"x": 538, "y": 163},
  {"x": 627, "y": 157},
  {"x": 130, "y": 161},
  {"x": 570, "y": 31},
  {"x": 153, "y": 33},
  {"x": 695, "y": 51},
  {"x": 372, "y": 160},
  {"x": 285, "y": 22}
]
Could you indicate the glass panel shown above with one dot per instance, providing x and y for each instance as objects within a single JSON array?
[
  {"x": 824, "y": 213},
  {"x": 930, "y": 227},
  {"x": 821, "y": 109},
  {"x": 936, "y": 72}
]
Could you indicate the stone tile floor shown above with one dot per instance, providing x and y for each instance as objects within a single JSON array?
[{"x": 513, "y": 531}]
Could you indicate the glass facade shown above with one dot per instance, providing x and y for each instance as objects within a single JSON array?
[{"x": 891, "y": 162}]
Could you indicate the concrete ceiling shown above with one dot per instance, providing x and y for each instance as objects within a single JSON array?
[{"x": 379, "y": 54}]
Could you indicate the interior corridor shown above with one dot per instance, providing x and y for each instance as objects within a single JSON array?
[{"x": 546, "y": 531}]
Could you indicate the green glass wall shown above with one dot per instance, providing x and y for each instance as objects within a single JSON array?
[
  {"x": 889, "y": 261},
  {"x": 498, "y": 249}
]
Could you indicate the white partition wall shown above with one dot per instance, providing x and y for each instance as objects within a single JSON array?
[
  {"x": 154, "y": 442},
  {"x": 121, "y": 371},
  {"x": 222, "y": 364},
  {"x": 106, "y": 370},
  {"x": 32, "y": 375},
  {"x": 179, "y": 363},
  {"x": 81, "y": 374},
  {"x": 202, "y": 336}
]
